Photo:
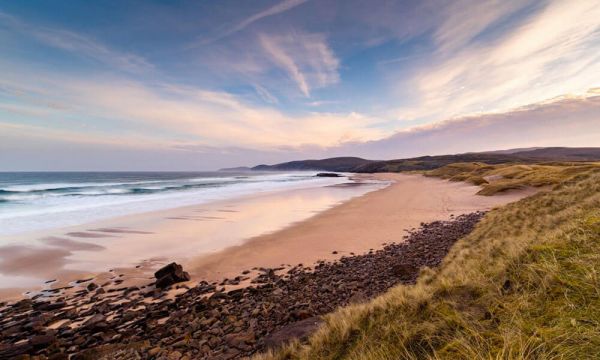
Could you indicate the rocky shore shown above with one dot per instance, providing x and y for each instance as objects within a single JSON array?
[{"x": 208, "y": 322}]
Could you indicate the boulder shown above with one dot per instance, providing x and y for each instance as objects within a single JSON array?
[
  {"x": 169, "y": 275},
  {"x": 325, "y": 174},
  {"x": 91, "y": 286},
  {"x": 404, "y": 271},
  {"x": 96, "y": 321},
  {"x": 40, "y": 341},
  {"x": 298, "y": 330}
]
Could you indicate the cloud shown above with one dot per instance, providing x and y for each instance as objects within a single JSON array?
[
  {"x": 273, "y": 10},
  {"x": 170, "y": 114},
  {"x": 552, "y": 51},
  {"x": 86, "y": 47},
  {"x": 306, "y": 59},
  {"x": 78, "y": 44},
  {"x": 563, "y": 121},
  {"x": 265, "y": 94},
  {"x": 457, "y": 30}
]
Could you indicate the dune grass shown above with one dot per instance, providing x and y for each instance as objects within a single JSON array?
[
  {"x": 525, "y": 284},
  {"x": 503, "y": 177}
]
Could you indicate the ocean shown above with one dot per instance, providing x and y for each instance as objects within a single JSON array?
[{"x": 31, "y": 201}]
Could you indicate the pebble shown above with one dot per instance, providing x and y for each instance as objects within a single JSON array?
[{"x": 205, "y": 323}]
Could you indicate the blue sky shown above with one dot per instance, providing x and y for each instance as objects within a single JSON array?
[{"x": 189, "y": 85}]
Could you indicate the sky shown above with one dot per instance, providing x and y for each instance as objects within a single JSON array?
[{"x": 200, "y": 85}]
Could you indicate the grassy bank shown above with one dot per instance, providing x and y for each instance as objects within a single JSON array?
[
  {"x": 524, "y": 285},
  {"x": 502, "y": 177}
]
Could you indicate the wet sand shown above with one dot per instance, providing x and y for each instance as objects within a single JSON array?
[
  {"x": 152, "y": 239},
  {"x": 220, "y": 240}
]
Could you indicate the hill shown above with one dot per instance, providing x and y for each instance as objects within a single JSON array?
[
  {"x": 236, "y": 169},
  {"x": 561, "y": 154},
  {"x": 341, "y": 164},
  {"x": 355, "y": 164}
]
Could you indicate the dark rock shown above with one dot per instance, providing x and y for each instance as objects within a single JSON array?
[
  {"x": 96, "y": 321},
  {"x": 11, "y": 351},
  {"x": 324, "y": 174},
  {"x": 227, "y": 325},
  {"x": 41, "y": 340},
  {"x": 299, "y": 330},
  {"x": 169, "y": 275},
  {"x": 92, "y": 286},
  {"x": 404, "y": 271},
  {"x": 49, "y": 306}
]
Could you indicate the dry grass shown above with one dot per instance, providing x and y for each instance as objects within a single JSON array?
[
  {"x": 523, "y": 285},
  {"x": 499, "y": 178}
]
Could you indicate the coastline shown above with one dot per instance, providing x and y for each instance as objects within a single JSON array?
[
  {"x": 268, "y": 306},
  {"x": 209, "y": 322},
  {"x": 354, "y": 226},
  {"x": 137, "y": 244}
]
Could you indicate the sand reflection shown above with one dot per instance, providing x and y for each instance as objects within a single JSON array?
[{"x": 168, "y": 235}]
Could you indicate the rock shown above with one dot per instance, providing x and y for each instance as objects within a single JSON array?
[
  {"x": 169, "y": 275},
  {"x": 96, "y": 321},
  {"x": 41, "y": 340},
  {"x": 175, "y": 355},
  {"x": 23, "y": 304},
  {"x": 14, "y": 351},
  {"x": 358, "y": 298},
  {"x": 92, "y": 286},
  {"x": 154, "y": 351},
  {"x": 325, "y": 174},
  {"x": 236, "y": 324},
  {"x": 299, "y": 330},
  {"x": 301, "y": 314},
  {"x": 49, "y": 306},
  {"x": 240, "y": 341},
  {"x": 404, "y": 271}
]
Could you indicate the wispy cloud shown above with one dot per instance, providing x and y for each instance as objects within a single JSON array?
[
  {"x": 265, "y": 94},
  {"x": 457, "y": 30},
  {"x": 306, "y": 58},
  {"x": 78, "y": 45},
  {"x": 283, "y": 59},
  {"x": 278, "y": 8},
  {"x": 554, "y": 51},
  {"x": 86, "y": 47},
  {"x": 173, "y": 113},
  {"x": 563, "y": 121}
]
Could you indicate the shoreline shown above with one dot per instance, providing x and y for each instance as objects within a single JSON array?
[
  {"x": 222, "y": 315},
  {"x": 355, "y": 226},
  {"x": 206, "y": 321},
  {"x": 135, "y": 245}
]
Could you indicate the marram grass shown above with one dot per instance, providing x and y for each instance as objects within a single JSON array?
[
  {"x": 494, "y": 179},
  {"x": 525, "y": 284}
]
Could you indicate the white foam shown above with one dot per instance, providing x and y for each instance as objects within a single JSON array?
[{"x": 51, "y": 210}]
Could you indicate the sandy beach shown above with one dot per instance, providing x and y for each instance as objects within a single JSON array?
[
  {"x": 260, "y": 293},
  {"x": 271, "y": 230},
  {"x": 135, "y": 245},
  {"x": 354, "y": 227}
]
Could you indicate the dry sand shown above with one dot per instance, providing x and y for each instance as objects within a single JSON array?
[{"x": 363, "y": 223}]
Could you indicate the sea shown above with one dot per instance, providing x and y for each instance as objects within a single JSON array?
[{"x": 31, "y": 201}]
